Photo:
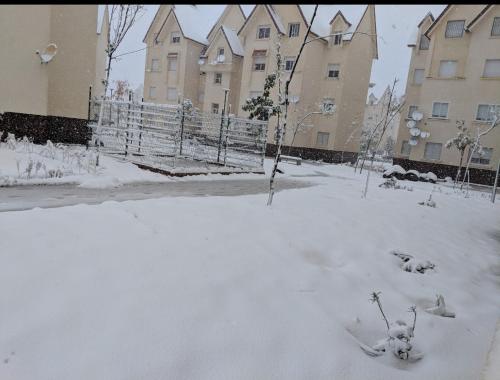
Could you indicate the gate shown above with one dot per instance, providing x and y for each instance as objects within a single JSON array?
[{"x": 170, "y": 136}]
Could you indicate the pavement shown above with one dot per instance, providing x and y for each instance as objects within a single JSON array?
[{"x": 26, "y": 197}]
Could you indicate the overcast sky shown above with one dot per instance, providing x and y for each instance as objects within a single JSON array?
[{"x": 394, "y": 26}]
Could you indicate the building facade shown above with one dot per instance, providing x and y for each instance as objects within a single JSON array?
[
  {"x": 50, "y": 100},
  {"x": 454, "y": 76},
  {"x": 237, "y": 52}
]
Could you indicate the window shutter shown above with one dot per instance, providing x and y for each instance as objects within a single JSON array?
[
  {"x": 424, "y": 42},
  {"x": 418, "y": 76}
]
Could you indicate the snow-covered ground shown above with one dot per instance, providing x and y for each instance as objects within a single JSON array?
[
  {"x": 228, "y": 288},
  {"x": 22, "y": 162}
]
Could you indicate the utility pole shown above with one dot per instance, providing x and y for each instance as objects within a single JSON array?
[{"x": 226, "y": 90}]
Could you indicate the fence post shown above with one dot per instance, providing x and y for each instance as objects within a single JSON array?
[
  {"x": 88, "y": 117},
  {"x": 128, "y": 116},
  {"x": 140, "y": 127},
  {"x": 225, "y": 140},
  {"x": 182, "y": 129},
  {"x": 494, "y": 191}
]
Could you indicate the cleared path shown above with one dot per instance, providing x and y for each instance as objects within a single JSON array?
[{"x": 18, "y": 198}]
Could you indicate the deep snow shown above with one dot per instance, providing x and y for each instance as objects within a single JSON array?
[{"x": 228, "y": 288}]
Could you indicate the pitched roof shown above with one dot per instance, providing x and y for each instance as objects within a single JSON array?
[
  {"x": 412, "y": 41},
  {"x": 193, "y": 22},
  {"x": 479, "y": 15},
  {"x": 233, "y": 41},
  {"x": 441, "y": 15},
  {"x": 226, "y": 9},
  {"x": 274, "y": 17},
  {"x": 102, "y": 13},
  {"x": 339, "y": 14},
  {"x": 152, "y": 23},
  {"x": 326, "y": 13}
]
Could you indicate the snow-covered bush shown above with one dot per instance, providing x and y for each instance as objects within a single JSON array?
[
  {"x": 392, "y": 183},
  {"x": 394, "y": 171},
  {"x": 399, "y": 335},
  {"x": 429, "y": 202},
  {"x": 440, "y": 308},
  {"x": 410, "y": 264}
]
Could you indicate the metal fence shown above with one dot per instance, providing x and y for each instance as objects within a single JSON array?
[{"x": 169, "y": 136}]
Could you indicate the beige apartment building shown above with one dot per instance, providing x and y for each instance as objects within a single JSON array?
[
  {"x": 454, "y": 76},
  {"x": 50, "y": 100},
  {"x": 189, "y": 58}
]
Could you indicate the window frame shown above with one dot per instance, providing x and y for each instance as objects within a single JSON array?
[
  {"x": 409, "y": 108},
  {"x": 287, "y": 60},
  {"x": 175, "y": 35},
  {"x": 337, "y": 37},
  {"x": 328, "y": 70},
  {"x": 290, "y": 25},
  {"x": 423, "y": 37},
  {"x": 462, "y": 30},
  {"x": 212, "y": 108},
  {"x": 264, "y": 27},
  {"x": 327, "y": 102},
  {"x": 414, "y": 82},
  {"x": 497, "y": 106},
  {"x": 176, "y": 94},
  {"x": 477, "y": 160},
  {"x": 440, "y": 151},
  {"x": 157, "y": 60},
  {"x": 447, "y": 61},
  {"x": 170, "y": 59},
  {"x": 447, "y": 110},
  {"x": 217, "y": 75},
  {"x": 404, "y": 144},
  {"x": 263, "y": 64},
  {"x": 484, "y": 68},
  {"x": 318, "y": 139},
  {"x": 154, "y": 92}
]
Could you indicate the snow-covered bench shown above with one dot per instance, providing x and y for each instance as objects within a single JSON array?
[{"x": 295, "y": 160}]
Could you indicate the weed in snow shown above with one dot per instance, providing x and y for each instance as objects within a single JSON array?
[
  {"x": 440, "y": 308},
  {"x": 410, "y": 264}
]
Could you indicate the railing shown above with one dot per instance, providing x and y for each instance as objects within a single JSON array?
[{"x": 160, "y": 135}]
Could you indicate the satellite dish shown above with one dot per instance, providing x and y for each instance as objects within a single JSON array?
[
  {"x": 424, "y": 134},
  {"x": 417, "y": 115},
  {"x": 49, "y": 53},
  {"x": 411, "y": 124},
  {"x": 413, "y": 141},
  {"x": 415, "y": 132}
]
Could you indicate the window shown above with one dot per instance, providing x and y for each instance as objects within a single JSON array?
[
  {"x": 440, "y": 110},
  {"x": 418, "y": 76},
  {"x": 495, "y": 28},
  {"x": 172, "y": 93},
  {"x": 254, "y": 94},
  {"x": 263, "y": 32},
  {"x": 405, "y": 148},
  {"x": 328, "y": 105},
  {"x": 201, "y": 96},
  {"x": 220, "y": 54},
  {"x": 175, "y": 37},
  {"x": 289, "y": 61},
  {"x": 454, "y": 29},
  {"x": 333, "y": 71},
  {"x": 322, "y": 138},
  {"x": 259, "y": 60},
  {"x": 482, "y": 157},
  {"x": 155, "y": 64},
  {"x": 172, "y": 62},
  {"x": 215, "y": 108},
  {"x": 492, "y": 68},
  {"x": 433, "y": 151},
  {"x": 447, "y": 69},
  {"x": 152, "y": 92},
  {"x": 337, "y": 38},
  {"x": 218, "y": 78},
  {"x": 411, "y": 109},
  {"x": 424, "y": 42},
  {"x": 485, "y": 112},
  {"x": 293, "y": 29}
]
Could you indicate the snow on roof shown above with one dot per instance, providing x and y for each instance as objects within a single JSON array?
[
  {"x": 194, "y": 23},
  {"x": 233, "y": 40},
  {"x": 412, "y": 41},
  {"x": 100, "y": 16},
  {"x": 321, "y": 24},
  {"x": 276, "y": 19}
]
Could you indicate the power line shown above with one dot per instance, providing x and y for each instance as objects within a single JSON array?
[{"x": 131, "y": 52}]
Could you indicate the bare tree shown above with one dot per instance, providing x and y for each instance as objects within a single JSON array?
[
  {"x": 494, "y": 123},
  {"x": 121, "y": 90},
  {"x": 121, "y": 19},
  {"x": 281, "y": 129},
  {"x": 461, "y": 141},
  {"x": 391, "y": 112}
]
